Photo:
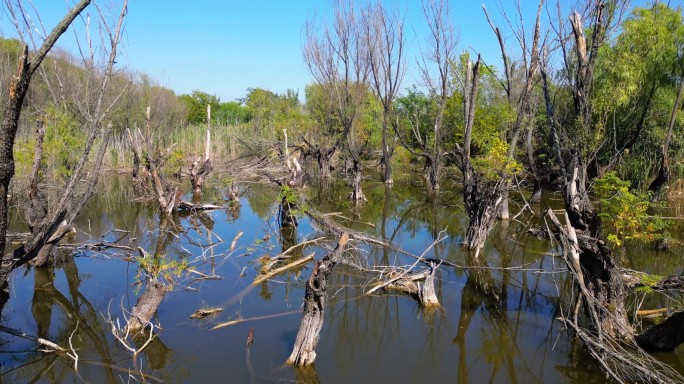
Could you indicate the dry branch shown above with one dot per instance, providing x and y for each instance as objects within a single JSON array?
[{"x": 267, "y": 275}]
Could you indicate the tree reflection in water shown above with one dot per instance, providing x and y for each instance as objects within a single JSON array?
[{"x": 494, "y": 324}]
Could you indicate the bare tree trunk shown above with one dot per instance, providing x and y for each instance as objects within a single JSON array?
[
  {"x": 201, "y": 168},
  {"x": 664, "y": 172},
  {"x": 147, "y": 304},
  {"x": 323, "y": 157},
  {"x": 432, "y": 168},
  {"x": 357, "y": 170},
  {"x": 386, "y": 153},
  {"x": 536, "y": 176},
  {"x": 482, "y": 198},
  {"x": 133, "y": 139},
  {"x": 304, "y": 350},
  {"x": 12, "y": 111}
]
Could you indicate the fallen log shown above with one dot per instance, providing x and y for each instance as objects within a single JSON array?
[
  {"x": 664, "y": 337},
  {"x": 186, "y": 205}
]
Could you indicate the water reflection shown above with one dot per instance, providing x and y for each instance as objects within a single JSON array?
[{"x": 496, "y": 322}]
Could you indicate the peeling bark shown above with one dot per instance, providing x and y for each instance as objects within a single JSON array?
[{"x": 304, "y": 350}]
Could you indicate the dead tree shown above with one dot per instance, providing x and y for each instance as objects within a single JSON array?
[
  {"x": 55, "y": 225},
  {"x": 134, "y": 140},
  {"x": 304, "y": 350},
  {"x": 482, "y": 195},
  {"x": 384, "y": 37},
  {"x": 167, "y": 195},
  {"x": 201, "y": 167},
  {"x": 664, "y": 171},
  {"x": 520, "y": 101},
  {"x": 436, "y": 71},
  {"x": 338, "y": 61},
  {"x": 600, "y": 282},
  {"x": 19, "y": 85},
  {"x": 323, "y": 155}
]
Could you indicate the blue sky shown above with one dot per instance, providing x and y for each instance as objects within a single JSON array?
[{"x": 224, "y": 47}]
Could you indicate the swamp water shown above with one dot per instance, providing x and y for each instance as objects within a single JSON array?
[{"x": 494, "y": 325}]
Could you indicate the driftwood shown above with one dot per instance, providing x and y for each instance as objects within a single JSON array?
[
  {"x": 410, "y": 284},
  {"x": 182, "y": 204},
  {"x": 285, "y": 255},
  {"x": 39, "y": 340},
  {"x": 267, "y": 275},
  {"x": 149, "y": 301},
  {"x": 204, "y": 312},
  {"x": 304, "y": 350}
]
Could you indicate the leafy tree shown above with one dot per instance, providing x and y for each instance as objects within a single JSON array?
[
  {"x": 196, "y": 106},
  {"x": 626, "y": 212},
  {"x": 231, "y": 112}
]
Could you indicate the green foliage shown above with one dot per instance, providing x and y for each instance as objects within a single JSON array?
[
  {"x": 231, "y": 112},
  {"x": 196, "y": 106},
  {"x": 634, "y": 91},
  {"x": 23, "y": 155},
  {"x": 625, "y": 213},
  {"x": 161, "y": 267},
  {"x": 495, "y": 163},
  {"x": 176, "y": 160},
  {"x": 402, "y": 159},
  {"x": 63, "y": 141},
  {"x": 290, "y": 196}
]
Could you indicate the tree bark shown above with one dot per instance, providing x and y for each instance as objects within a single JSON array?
[
  {"x": 147, "y": 304},
  {"x": 304, "y": 350},
  {"x": 12, "y": 111},
  {"x": 664, "y": 172},
  {"x": 201, "y": 168},
  {"x": 357, "y": 172}
]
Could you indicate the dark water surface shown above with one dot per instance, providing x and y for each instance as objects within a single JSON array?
[{"x": 494, "y": 325}]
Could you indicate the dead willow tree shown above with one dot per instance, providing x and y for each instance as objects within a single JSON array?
[
  {"x": 664, "y": 171},
  {"x": 482, "y": 194},
  {"x": 436, "y": 71},
  {"x": 202, "y": 166},
  {"x": 152, "y": 182},
  {"x": 338, "y": 61},
  {"x": 383, "y": 33},
  {"x": 166, "y": 194},
  {"x": 601, "y": 286},
  {"x": 520, "y": 100},
  {"x": 49, "y": 227},
  {"x": 304, "y": 350}
]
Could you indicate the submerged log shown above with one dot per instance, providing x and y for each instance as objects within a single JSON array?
[
  {"x": 420, "y": 286},
  {"x": 265, "y": 275},
  {"x": 664, "y": 337},
  {"x": 304, "y": 350},
  {"x": 147, "y": 304},
  {"x": 204, "y": 312}
]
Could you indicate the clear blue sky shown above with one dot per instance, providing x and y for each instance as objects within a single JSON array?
[{"x": 224, "y": 47}]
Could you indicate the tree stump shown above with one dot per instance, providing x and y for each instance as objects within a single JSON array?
[{"x": 304, "y": 351}]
